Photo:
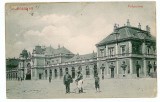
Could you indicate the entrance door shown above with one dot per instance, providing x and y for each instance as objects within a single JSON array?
[
  {"x": 73, "y": 72},
  {"x": 112, "y": 72},
  {"x": 40, "y": 76},
  {"x": 28, "y": 75}
]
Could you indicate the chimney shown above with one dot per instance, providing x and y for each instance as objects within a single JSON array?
[
  {"x": 139, "y": 26},
  {"x": 115, "y": 27},
  {"x": 147, "y": 28},
  {"x": 58, "y": 46},
  {"x": 118, "y": 26},
  {"x": 128, "y": 23}
]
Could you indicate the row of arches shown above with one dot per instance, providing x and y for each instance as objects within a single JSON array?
[
  {"x": 59, "y": 72},
  {"x": 12, "y": 76}
]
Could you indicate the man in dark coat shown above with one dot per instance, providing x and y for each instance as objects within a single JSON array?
[
  {"x": 97, "y": 82},
  {"x": 67, "y": 80},
  {"x": 137, "y": 68},
  {"x": 50, "y": 78}
]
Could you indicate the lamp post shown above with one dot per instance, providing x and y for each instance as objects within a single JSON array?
[
  {"x": 117, "y": 34},
  {"x": 124, "y": 68}
]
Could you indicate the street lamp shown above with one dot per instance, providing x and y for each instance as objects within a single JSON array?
[
  {"x": 117, "y": 34},
  {"x": 124, "y": 68}
]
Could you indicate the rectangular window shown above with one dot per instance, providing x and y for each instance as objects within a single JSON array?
[
  {"x": 123, "y": 50},
  {"x": 136, "y": 48},
  {"x": 102, "y": 52},
  {"x": 111, "y": 51},
  {"x": 148, "y": 50}
]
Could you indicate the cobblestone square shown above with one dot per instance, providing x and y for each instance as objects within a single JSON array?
[{"x": 110, "y": 88}]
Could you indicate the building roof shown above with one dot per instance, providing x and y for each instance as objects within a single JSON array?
[
  {"x": 126, "y": 32},
  {"x": 49, "y": 50},
  {"x": 60, "y": 50},
  {"x": 78, "y": 57},
  {"x": 11, "y": 63}
]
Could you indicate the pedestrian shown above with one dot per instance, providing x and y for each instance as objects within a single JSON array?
[
  {"x": 149, "y": 68},
  {"x": 97, "y": 82},
  {"x": 50, "y": 78},
  {"x": 79, "y": 81},
  {"x": 67, "y": 80},
  {"x": 137, "y": 68}
]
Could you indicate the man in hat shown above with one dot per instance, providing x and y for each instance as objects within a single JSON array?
[
  {"x": 67, "y": 80},
  {"x": 79, "y": 81},
  {"x": 97, "y": 81}
]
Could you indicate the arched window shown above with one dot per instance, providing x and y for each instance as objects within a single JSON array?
[
  {"x": 66, "y": 69},
  {"x": 50, "y": 72},
  {"x": 73, "y": 72},
  {"x": 80, "y": 68},
  {"x": 87, "y": 71},
  {"x": 46, "y": 74},
  {"x": 55, "y": 73},
  {"x": 29, "y": 68},
  {"x": 16, "y": 75},
  {"x": 61, "y": 72}
]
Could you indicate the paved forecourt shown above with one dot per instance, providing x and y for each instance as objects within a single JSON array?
[{"x": 117, "y": 88}]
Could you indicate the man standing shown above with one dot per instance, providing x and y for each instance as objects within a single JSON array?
[
  {"x": 137, "y": 68},
  {"x": 79, "y": 81},
  {"x": 50, "y": 78},
  {"x": 97, "y": 82},
  {"x": 102, "y": 67},
  {"x": 149, "y": 68},
  {"x": 67, "y": 80}
]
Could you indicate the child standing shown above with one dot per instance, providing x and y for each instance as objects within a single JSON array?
[{"x": 97, "y": 83}]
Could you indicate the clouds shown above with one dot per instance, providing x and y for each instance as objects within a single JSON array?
[
  {"x": 67, "y": 31},
  {"x": 77, "y": 26}
]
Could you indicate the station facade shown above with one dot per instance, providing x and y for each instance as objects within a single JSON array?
[{"x": 116, "y": 57}]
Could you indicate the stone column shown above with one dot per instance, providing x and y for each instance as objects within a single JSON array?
[
  {"x": 36, "y": 76},
  {"x": 144, "y": 48},
  {"x": 130, "y": 47},
  {"x": 117, "y": 66},
  {"x": 58, "y": 72},
  {"x": 131, "y": 65},
  {"x": 48, "y": 69},
  {"x": 145, "y": 67}
]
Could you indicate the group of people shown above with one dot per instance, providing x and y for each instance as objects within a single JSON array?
[
  {"x": 79, "y": 80},
  {"x": 67, "y": 80}
]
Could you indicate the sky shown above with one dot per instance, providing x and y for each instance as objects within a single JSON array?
[{"x": 76, "y": 26}]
